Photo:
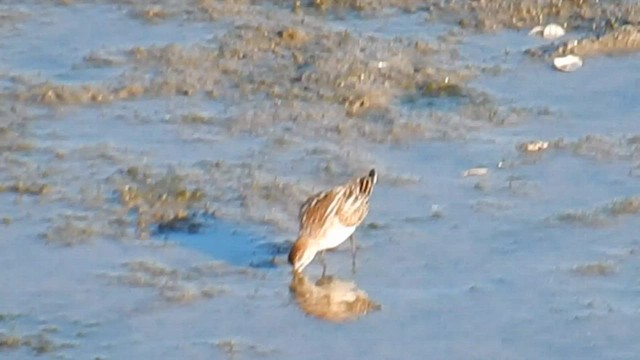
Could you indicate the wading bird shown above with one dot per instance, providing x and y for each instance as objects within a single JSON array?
[{"x": 328, "y": 218}]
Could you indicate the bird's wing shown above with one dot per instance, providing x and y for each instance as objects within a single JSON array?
[
  {"x": 320, "y": 208},
  {"x": 355, "y": 204},
  {"x": 348, "y": 204}
]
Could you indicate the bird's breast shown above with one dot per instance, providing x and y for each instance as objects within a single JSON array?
[{"x": 334, "y": 236}]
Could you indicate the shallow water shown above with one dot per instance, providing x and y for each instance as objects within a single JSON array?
[
  {"x": 463, "y": 267},
  {"x": 54, "y": 40}
]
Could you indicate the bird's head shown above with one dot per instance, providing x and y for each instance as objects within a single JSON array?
[{"x": 301, "y": 254}]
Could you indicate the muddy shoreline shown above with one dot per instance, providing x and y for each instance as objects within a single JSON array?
[{"x": 154, "y": 158}]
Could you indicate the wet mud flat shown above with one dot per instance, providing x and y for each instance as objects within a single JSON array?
[{"x": 154, "y": 157}]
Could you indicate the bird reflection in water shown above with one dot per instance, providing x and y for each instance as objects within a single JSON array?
[{"x": 331, "y": 298}]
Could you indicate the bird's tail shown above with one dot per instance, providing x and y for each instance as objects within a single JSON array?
[{"x": 366, "y": 183}]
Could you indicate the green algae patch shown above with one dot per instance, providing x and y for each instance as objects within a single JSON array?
[
  {"x": 595, "y": 269},
  {"x": 25, "y": 188},
  {"x": 443, "y": 89},
  {"x": 39, "y": 343},
  {"x": 171, "y": 284},
  {"x": 164, "y": 201},
  {"x": 602, "y": 215}
]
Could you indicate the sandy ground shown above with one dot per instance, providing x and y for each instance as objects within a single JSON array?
[{"x": 153, "y": 159}]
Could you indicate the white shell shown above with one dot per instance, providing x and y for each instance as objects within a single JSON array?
[
  {"x": 534, "y": 146},
  {"x": 568, "y": 63},
  {"x": 479, "y": 171},
  {"x": 536, "y": 30},
  {"x": 553, "y": 31},
  {"x": 550, "y": 32}
]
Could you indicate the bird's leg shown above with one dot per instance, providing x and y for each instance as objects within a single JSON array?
[
  {"x": 324, "y": 264},
  {"x": 352, "y": 240}
]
